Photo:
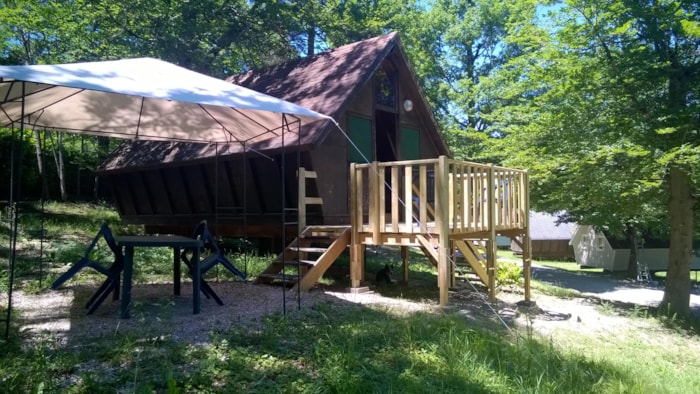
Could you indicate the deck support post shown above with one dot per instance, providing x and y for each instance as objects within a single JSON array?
[
  {"x": 453, "y": 258},
  {"x": 404, "y": 262},
  {"x": 357, "y": 265},
  {"x": 527, "y": 245},
  {"x": 491, "y": 249},
  {"x": 442, "y": 222}
]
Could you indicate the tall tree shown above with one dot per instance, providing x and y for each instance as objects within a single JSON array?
[{"x": 604, "y": 107}]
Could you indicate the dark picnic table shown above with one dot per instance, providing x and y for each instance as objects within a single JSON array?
[{"x": 177, "y": 243}]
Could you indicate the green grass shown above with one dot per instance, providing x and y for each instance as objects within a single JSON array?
[
  {"x": 694, "y": 276},
  {"x": 562, "y": 265},
  {"x": 338, "y": 347},
  {"x": 342, "y": 348}
]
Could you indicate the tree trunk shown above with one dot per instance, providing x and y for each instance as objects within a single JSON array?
[
  {"x": 58, "y": 158},
  {"x": 631, "y": 234},
  {"x": 102, "y": 151},
  {"x": 311, "y": 42},
  {"x": 681, "y": 208},
  {"x": 40, "y": 165}
]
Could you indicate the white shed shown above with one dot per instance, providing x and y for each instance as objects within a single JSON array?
[{"x": 593, "y": 249}]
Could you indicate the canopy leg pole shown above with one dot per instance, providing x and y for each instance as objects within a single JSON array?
[{"x": 14, "y": 212}]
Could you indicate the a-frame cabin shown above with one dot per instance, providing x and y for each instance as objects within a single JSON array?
[{"x": 319, "y": 181}]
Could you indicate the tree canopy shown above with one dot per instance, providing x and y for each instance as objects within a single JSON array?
[{"x": 599, "y": 100}]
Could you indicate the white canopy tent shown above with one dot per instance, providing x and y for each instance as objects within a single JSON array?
[{"x": 141, "y": 98}]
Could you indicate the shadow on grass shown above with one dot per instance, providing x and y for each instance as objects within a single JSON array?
[
  {"x": 329, "y": 346},
  {"x": 351, "y": 349}
]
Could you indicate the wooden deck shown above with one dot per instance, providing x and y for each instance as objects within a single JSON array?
[{"x": 436, "y": 204}]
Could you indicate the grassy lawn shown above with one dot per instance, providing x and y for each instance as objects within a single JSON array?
[
  {"x": 562, "y": 265},
  {"x": 572, "y": 266},
  {"x": 335, "y": 347}
]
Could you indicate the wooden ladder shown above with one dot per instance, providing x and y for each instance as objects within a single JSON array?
[{"x": 312, "y": 253}]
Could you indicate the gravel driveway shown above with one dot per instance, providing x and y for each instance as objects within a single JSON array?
[{"x": 607, "y": 288}]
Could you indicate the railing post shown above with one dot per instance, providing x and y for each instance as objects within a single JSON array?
[
  {"x": 491, "y": 246},
  {"x": 442, "y": 227},
  {"x": 527, "y": 246},
  {"x": 356, "y": 255}
]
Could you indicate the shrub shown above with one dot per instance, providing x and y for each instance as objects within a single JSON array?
[{"x": 508, "y": 273}]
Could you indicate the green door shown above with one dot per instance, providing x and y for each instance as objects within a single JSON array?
[
  {"x": 360, "y": 133},
  {"x": 410, "y": 144}
]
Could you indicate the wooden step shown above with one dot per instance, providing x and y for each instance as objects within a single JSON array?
[
  {"x": 308, "y": 263},
  {"x": 321, "y": 236},
  {"x": 327, "y": 227},
  {"x": 289, "y": 278},
  {"x": 306, "y": 249}
]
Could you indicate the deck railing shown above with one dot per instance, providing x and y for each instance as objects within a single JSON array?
[{"x": 406, "y": 196}]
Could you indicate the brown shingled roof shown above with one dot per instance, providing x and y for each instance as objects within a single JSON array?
[
  {"x": 322, "y": 82},
  {"x": 325, "y": 83}
]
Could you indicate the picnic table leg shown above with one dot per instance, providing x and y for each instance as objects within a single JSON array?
[
  {"x": 176, "y": 270},
  {"x": 126, "y": 288},
  {"x": 196, "y": 281}
]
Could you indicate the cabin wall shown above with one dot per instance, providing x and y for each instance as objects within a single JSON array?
[
  {"x": 220, "y": 190},
  {"x": 331, "y": 158},
  {"x": 592, "y": 249},
  {"x": 330, "y": 163},
  {"x": 542, "y": 249}
]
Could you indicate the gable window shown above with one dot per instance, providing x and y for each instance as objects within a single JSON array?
[
  {"x": 385, "y": 89},
  {"x": 600, "y": 243}
]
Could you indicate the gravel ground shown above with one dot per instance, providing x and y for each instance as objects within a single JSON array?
[
  {"x": 155, "y": 312},
  {"x": 60, "y": 314}
]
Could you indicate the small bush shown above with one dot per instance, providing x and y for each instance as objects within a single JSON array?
[{"x": 508, "y": 273}]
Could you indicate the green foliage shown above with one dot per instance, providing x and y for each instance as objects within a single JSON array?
[
  {"x": 508, "y": 273},
  {"x": 601, "y": 107}
]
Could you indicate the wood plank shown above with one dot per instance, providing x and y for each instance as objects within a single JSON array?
[
  {"x": 423, "y": 199},
  {"x": 374, "y": 186},
  {"x": 301, "y": 189},
  {"x": 313, "y": 201},
  {"x": 408, "y": 197},
  {"x": 469, "y": 253},
  {"x": 394, "y": 199},
  {"x": 325, "y": 260},
  {"x": 451, "y": 216},
  {"x": 442, "y": 225},
  {"x": 382, "y": 198},
  {"x": 427, "y": 248},
  {"x": 491, "y": 253},
  {"x": 306, "y": 249}
]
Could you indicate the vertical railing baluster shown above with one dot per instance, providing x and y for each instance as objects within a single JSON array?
[{"x": 408, "y": 197}]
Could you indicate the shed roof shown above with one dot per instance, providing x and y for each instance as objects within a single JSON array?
[
  {"x": 546, "y": 226},
  {"x": 327, "y": 83}
]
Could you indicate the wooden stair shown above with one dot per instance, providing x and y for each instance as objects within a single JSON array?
[
  {"x": 473, "y": 252},
  {"x": 312, "y": 253}
]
